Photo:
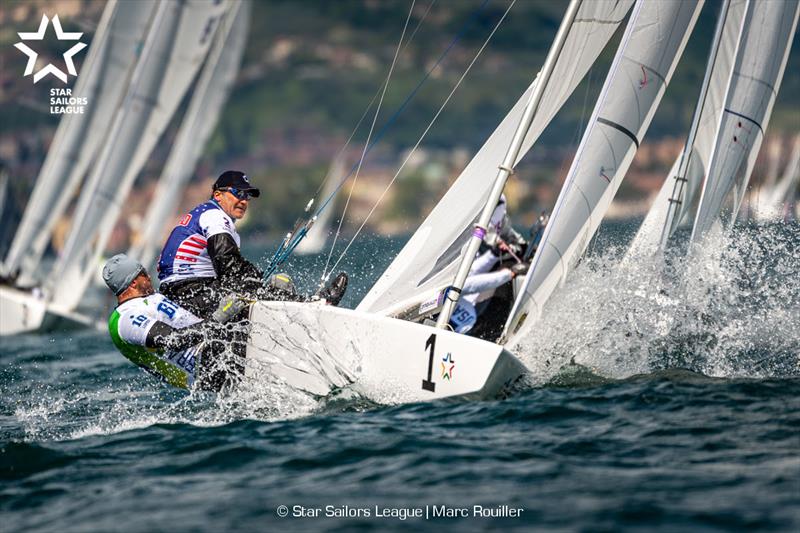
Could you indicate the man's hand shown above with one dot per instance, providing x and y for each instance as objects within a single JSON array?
[
  {"x": 520, "y": 269},
  {"x": 228, "y": 308}
]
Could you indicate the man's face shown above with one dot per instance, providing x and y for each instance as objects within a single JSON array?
[
  {"x": 143, "y": 284},
  {"x": 233, "y": 206}
]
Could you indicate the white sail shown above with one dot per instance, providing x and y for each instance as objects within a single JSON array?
[
  {"x": 678, "y": 196},
  {"x": 653, "y": 42},
  {"x": 208, "y": 99},
  {"x": 176, "y": 46},
  {"x": 429, "y": 260},
  {"x": 759, "y": 66},
  {"x": 102, "y": 81},
  {"x": 775, "y": 201},
  {"x": 316, "y": 238}
]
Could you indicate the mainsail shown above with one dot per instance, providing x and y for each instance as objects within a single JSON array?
[
  {"x": 429, "y": 260},
  {"x": 209, "y": 97},
  {"x": 760, "y": 62},
  {"x": 653, "y": 42},
  {"x": 176, "y": 45},
  {"x": 678, "y": 196},
  {"x": 103, "y": 80}
]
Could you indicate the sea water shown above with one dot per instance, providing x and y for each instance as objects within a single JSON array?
[{"x": 660, "y": 399}]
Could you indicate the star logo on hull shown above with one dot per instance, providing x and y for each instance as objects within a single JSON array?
[
  {"x": 448, "y": 365},
  {"x": 50, "y": 68}
]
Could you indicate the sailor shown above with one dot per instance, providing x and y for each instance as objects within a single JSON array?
[
  {"x": 162, "y": 337},
  {"x": 472, "y": 314},
  {"x": 201, "y": 259}
]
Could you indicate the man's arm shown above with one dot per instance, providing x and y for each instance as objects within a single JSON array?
[
  {"x": 162, "y": 336},
  {"x": 233, "y": 271}
]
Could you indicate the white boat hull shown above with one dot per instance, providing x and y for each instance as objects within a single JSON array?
[
  {"x": 20, "y": 311},
  {"x": 318, "y": 348},
  {"x": 27, "y": 312}
]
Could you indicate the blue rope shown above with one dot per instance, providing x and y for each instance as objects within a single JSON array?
[{"x": 285, "y": 250}]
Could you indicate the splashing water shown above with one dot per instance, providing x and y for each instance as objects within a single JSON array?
[{"x": 727, "y": 309}]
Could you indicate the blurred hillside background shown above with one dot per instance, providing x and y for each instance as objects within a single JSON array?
[{"x": 309, "y": 72}]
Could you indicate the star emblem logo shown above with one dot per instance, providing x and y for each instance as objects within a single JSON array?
[
  {"x": 448, "y": 365},
  {"x": 50, "y": 68}
]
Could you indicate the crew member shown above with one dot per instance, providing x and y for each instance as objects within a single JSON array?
[
  {"x": 201, "y": 259},
  {"x": 165, "y": 339},
  {"x": 481, "y": 310}
]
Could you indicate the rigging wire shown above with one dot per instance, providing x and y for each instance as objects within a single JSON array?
[
  {"x": 424, "y": 133},
  {"x": 339, "y": 153},
  {"x": 366, "y": 144},
  {"x": 293, "y": 238}
]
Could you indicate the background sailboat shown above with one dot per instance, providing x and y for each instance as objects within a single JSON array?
[
  {"x": 769, "y": 28},
  {"x": 103, "y": 81},
  {"x": 676, "y": 202},
  {"x": 316, "y": 238},
  {"x": 176, "y": 46},
  {"x": 777, "y": 201}
]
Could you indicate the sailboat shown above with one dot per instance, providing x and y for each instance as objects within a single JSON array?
[
  {"x": 176, "y": 46},
  {"x": 146, "y": 71},
  {"x": 760, "y": 61},
  {"x": 103, "y": 80},
  {"x": 776, "y": 198},
  {"x": 676, "y": 202},
  {"x": 317, "y": 236},
  {"x": 318, "y": 348}
]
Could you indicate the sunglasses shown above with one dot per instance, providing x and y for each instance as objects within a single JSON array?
[{"x": 238, "y": 193}]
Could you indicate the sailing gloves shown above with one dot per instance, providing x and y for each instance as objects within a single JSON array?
[
  {"x": 520, "y": 269},
  {"x": 229, "y": 307},
  {"x": 334, "y": 291}
]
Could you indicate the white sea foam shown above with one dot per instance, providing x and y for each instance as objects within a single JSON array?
[{"x": 727, "y": 309}]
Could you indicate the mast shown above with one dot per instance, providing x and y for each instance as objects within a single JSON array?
[
  {"x": 506, "y": 168},
  {"x": 680, "y": 177}
]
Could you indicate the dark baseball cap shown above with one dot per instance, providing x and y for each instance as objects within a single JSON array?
[{"x": 237, "y": 180}]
